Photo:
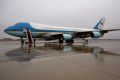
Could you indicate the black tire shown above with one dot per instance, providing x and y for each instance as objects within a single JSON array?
[
  {"x": 72, "y": 41},
  {"x": 69, "y": 41},
  {"x": 60, "y": 41}
]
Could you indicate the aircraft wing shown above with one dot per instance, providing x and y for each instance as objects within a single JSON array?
[
  {"x": 85, "y": 34},
  {"x": 82, "y": 34},
  {"x": 52, "y": 36},
  {"x": 107, "y": 30}
]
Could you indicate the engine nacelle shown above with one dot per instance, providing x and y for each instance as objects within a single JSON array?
[
  {"x": 96, "y": 35},
  {"x": 67, "y": 37}
]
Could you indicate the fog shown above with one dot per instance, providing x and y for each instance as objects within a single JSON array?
[{"x": 76, "y": 13}]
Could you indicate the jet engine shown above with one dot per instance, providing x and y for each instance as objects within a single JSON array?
[
  {"x": 67, "y": 37},
  {"x": 96, "y": 35}
]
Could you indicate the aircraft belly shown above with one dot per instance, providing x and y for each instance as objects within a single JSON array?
[{"x": 38, "y": 34}]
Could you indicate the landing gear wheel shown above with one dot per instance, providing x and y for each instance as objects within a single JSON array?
[
  {"x": 60, "y": 41},
  {"x": 69, "y": 41},
  {"x": 22, "y": 42}
]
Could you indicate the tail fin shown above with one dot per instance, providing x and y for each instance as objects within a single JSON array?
[{"x": 100, "y": 24}]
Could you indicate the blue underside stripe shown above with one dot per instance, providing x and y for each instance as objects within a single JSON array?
[{"x": 50, "y": 31}]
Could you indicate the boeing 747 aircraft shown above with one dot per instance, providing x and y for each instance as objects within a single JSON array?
[{"x": 68, "y": 34}]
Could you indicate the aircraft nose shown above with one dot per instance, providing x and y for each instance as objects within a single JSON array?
[
  {"x": 5, "y": 30},
  {"x": 8, "y": 29}
]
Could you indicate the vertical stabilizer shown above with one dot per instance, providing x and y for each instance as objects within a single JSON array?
[{"x": 100, "y": 24}]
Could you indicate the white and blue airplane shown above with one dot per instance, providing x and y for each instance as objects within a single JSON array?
[{"x": 68, "y": 34}]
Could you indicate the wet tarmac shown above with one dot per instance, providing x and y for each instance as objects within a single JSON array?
[{"x": 97, "y": 60}]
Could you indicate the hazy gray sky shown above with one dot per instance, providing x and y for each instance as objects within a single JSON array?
[{"x": 76, "y": 13}]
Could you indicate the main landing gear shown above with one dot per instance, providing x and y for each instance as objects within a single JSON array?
[
  {"x": 85, "y": 41},
  {"x": 70, "y": 41},
  {"x": 22, "y": 42},
  {"x": 67, "y": 41}
]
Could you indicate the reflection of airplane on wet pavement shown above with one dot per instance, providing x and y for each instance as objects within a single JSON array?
[
  {"x": 68, "y": 34},
  {"x": 22, "y": 54},
  {"x": 53, "y": 49}
]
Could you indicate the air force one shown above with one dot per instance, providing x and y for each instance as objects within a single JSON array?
[{"x": 68, "y": 34}]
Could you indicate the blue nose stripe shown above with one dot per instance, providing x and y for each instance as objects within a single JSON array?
[{"x": 8, "y": 29}]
